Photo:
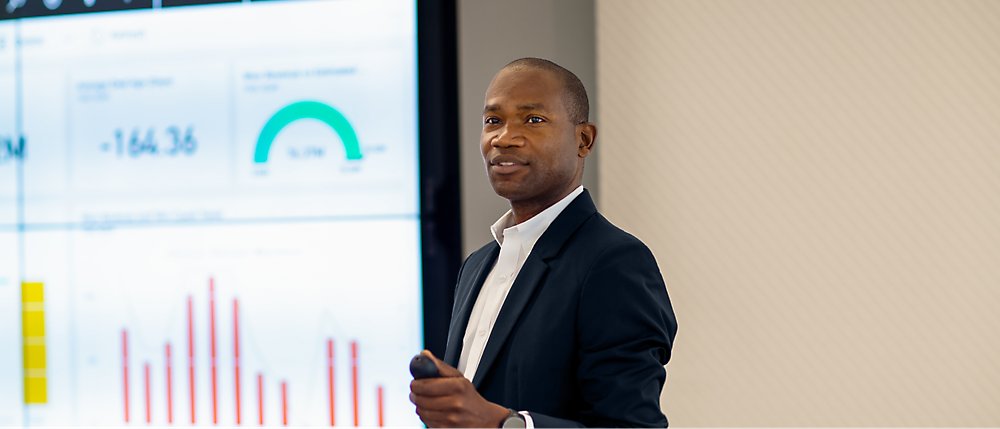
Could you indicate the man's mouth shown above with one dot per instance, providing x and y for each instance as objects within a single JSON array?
[
  {"x": 506, "y": 167},
  {"x": 506, "y": 164}
]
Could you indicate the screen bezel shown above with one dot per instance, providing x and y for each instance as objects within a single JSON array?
[{"x": 440, "y": 220}]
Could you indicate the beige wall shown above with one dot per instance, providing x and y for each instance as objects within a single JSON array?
[
  {"x": 491, "y": 34},
  {"x": 820, "y": 182}
]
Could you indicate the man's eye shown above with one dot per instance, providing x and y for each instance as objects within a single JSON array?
[
  {"x": 490, "y": 120},
  {"x": 535, "y": 119}
]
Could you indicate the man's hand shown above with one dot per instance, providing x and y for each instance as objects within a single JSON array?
[{"x": 451, "y": 401}]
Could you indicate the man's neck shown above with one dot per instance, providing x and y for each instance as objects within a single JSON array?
[{"x": 525, "y": 210}]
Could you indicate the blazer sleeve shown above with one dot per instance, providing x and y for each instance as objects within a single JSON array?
[{"x": 626, "y": 328}]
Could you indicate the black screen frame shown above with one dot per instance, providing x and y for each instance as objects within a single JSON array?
[{"x": 440, "y": 213}]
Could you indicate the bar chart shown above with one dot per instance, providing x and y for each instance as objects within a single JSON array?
[
  {"x": 141, "y": 388},
  {"x": 248, "y": 325}
]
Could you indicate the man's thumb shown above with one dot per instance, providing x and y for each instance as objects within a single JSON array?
[{"x": 444, "y": 369}]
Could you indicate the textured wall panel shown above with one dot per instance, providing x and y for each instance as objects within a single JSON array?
[{"x": 820, "y": 183}]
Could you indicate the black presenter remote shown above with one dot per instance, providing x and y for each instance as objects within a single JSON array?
[{"x": 422, "y": 367}]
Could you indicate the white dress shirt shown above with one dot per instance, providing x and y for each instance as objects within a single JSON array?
[{"x": 516, "y": 242}]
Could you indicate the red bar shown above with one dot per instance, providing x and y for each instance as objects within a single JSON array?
[
  {"x": 215, "y": 374},
  {"x": 381, "y": 413},
  {"x": 191, "y": 353},
  {"x": 354, "y": 378},
  {"x": 284, "y": 403},
  {"x": 149, "y": 418},
  {"x": 236, "y": 354},
  {"x": 125, "y": 370},
  {"x": 170, "y": 388},
  {"x": 329, "y": 379},
  {"x": 260, "y": 399}
]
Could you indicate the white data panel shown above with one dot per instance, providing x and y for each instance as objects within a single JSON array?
[{"x": 210, "y": 215}]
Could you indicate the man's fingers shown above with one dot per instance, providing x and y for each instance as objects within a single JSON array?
[
  {"x": 444, "y": 369},
  {"x": 434, "y": 412},
  {"x": 437, "y": 386},
  {"x": 445, "y": 401},
  {"x": 436, "y": 419},
  {"x": 449, "y": 404}
]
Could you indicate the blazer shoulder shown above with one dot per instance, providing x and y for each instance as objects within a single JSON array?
[
  {"x": 481, "y": 253},
  {"x": 475, "y": 261},
  {"x": 601, "y": 236}
]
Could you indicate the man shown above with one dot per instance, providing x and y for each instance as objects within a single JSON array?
[{"x": 565, "y": 318}]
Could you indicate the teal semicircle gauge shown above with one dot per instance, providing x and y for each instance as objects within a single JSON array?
[{"x": 306, "y": 110}]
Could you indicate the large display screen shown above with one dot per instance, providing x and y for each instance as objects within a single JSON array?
[{"x": 209, "y": 214}]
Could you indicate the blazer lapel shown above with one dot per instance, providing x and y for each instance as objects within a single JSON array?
[
  {"x": 531, "y": 277},
  {"x": 465, "y": 298},
  {"x": 520, "y": 294}
]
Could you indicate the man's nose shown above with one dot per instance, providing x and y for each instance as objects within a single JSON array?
[{"x": 508, "y": 136}]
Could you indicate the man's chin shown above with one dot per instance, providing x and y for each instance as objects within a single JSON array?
[{"x": 508, "y": 190}]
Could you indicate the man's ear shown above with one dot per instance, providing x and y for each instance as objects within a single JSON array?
[{"x": 586, "y": 136}]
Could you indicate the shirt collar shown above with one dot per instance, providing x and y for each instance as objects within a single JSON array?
[{"x": 533, "y": 228}]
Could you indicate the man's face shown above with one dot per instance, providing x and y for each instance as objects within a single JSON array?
[{"x": 529, "y": 141}]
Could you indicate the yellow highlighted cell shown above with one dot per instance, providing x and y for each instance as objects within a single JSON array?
[
  {"x": 32, "y": 292},
  {"x": 35, "y": 390},
  {"x": 34, "y": 324},
  {"x": 33, "y": 342},
  {"x": 34, "y": 356}
]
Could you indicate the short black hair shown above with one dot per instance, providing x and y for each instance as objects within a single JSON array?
[{"x": 575, "y": 94}]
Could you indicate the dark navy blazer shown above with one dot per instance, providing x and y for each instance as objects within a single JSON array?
[{"x": 585, "y": 331}]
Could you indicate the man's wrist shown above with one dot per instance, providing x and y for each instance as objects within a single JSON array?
[
  {"x": 501, "y": 415},
  {"x": 514, "y": 419}
]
